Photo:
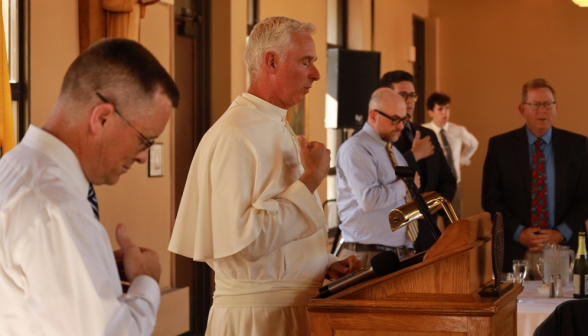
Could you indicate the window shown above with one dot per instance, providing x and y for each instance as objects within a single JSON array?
[
  {"x": 337, "y": 24},
  {"x": 252, "y": 15},
  {"x": 13, "y": 18}
]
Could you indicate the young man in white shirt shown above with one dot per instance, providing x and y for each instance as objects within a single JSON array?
[
  {"x": 458, "y": 144},
  {"x": 58, "y": 274}
]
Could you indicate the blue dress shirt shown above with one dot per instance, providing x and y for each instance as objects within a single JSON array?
[
  {"x": 547, "y": 149},
  {"x": 367, "y": 189}
]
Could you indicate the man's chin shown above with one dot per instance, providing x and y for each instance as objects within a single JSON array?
[{"x": 394, "y": 137}]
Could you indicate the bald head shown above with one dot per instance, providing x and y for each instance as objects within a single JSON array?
[
  {"x": 387, "y": 109},
  {"x": 385, "y": 97}
]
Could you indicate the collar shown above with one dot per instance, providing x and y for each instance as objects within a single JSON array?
[
  {"x": 58, "y": 152},
  {"x": 263, "y": 106},
  {"x": 370, "y": 131},
  {"x": 438, "y": 129},
  {"x": 531, "y": 138}
]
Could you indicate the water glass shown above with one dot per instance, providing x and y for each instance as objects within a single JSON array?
[
  {"x": 519, "y": 268},
  {"x": 510, "y": 277}
]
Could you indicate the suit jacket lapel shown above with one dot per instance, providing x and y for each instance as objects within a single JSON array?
[
  {"x": 560, "y": 160},
  {"x": 522, "y": 153}
]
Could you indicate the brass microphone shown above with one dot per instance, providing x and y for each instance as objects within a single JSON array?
[{"x": 408, "y": 212}]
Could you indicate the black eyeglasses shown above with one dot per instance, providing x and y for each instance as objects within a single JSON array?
[
  {"x": 395, "y": 120},
  {"x": 148, "y": 143},
  {"x": 536, "y": 106},
  {"x": 406, "y": 95}
]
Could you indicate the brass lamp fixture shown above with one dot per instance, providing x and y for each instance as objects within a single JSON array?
[
  {"x": 403, "y": 215},
  {"x": 581, "y": 3}
]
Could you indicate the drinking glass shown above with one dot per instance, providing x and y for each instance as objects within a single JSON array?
[
  {"x": 519, "y": 268},
  {"x": 510, "y": 277}
]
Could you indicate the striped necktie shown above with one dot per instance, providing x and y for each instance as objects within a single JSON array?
[
  {"x": 449, "y": 152},
  {"x": 93, "y": 201},
  {"x": 412, "y": 227}
]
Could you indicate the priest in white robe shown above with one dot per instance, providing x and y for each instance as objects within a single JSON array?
[
  {"x": 250, "y": 207},
  {"x": 58, "y": 275}
]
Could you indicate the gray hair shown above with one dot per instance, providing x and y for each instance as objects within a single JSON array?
[{"x": 271, "y": 34}]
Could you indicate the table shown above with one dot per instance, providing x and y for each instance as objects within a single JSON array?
[{"x": 533, "y": 307}]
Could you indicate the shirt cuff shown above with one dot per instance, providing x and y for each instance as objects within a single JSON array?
[
  {"x": 565, "y": 230},
  {"x": 147, "y": 288},
  {"x": 518, "y": 233},
  {"x": 331, "y": 259}
]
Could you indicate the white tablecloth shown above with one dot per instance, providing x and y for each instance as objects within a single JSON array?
[{"x": 535, "y": 307}]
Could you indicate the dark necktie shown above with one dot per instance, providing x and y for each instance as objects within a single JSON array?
[
  {"x": 539, "y": 214},
  {"x": 93, "y": 201},
  {"x": 448, "y": 151}
]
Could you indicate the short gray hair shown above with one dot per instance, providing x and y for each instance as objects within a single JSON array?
[{"x": 271, "y": 34}]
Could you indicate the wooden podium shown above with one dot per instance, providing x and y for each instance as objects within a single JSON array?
[{"x": 439, "y": 296}]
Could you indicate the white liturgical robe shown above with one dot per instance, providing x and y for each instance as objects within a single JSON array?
[
  {"x": 58, "y": 275},
  {"x": 246, "y": 214}
]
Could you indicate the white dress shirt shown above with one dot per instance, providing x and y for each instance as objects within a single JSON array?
[
  {"x": 247, "y": 215},
  {"x": 58, "y": 275},
  {"x": 463, "y": 144},
  {"x": 367, "y": 190}
]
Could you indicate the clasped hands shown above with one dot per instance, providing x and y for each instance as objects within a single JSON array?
[
  {"x": 534, "y": 238},
  {"x": 132, "y": 260}
]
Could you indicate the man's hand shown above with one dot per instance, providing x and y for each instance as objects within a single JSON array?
[
  {"x": 534, "y": 238},
  {"x": 422, "y": 148},
  {"x": 417, "y": 181},
  {"x": 341, "y": 268},
  {"x": 136, "y": 260},
  {"x": 316, "y": 159}
]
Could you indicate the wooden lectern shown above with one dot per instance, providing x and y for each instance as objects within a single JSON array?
[{"x": 439, "y": 296}]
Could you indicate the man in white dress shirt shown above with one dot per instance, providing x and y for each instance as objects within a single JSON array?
[
  {"x": 58, "y": 274},
  {"x": 367, "y": 187},
  {"x": 458, "y": 144},
  {"x": 250, "y": 207}
]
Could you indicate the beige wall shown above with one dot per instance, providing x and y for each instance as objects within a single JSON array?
[
  {"x": 393, "y": 31},
  {"x": 228, "y": 73},
  {"x": 488, "y": 49},
  {"x": 141, "y": 202},
  {"x": 359, "y": 24}
]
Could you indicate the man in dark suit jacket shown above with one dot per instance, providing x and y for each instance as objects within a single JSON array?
[
  {"x": 422, "y": 151},
  {"x": 513, "y": 182}
]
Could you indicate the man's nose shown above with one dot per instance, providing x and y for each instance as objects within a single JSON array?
[
  {"x": 142, "y": 156},
  {"x": 315, "y": 74}
]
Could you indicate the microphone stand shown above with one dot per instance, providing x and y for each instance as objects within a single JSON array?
[{"x": 407, "y": 175}]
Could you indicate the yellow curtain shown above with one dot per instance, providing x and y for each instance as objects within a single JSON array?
[{"x": 7, "y": 139}]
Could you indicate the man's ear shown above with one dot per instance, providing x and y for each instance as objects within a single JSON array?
[
  {"x": 270, "y": 59},
  {"x": 372, "y": 115},
  {"x": 100, "y": 115},
  {"x": 522, "y": 109},
  {"x": 431, "y": 114}
]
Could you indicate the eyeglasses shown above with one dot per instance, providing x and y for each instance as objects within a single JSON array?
[
  {"x": 406, "y": 95},
  {"x": 536, "y": 106},
  {"x": 148, "y": 143},
  {"x": 395, "y": 120}
]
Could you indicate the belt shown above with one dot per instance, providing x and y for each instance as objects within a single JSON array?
[
  {"x": 357, "y": 247},
  {"x": 231, "y": 293}
]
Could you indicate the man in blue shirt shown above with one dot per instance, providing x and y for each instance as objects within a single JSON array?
[
  {"x": 537, "y": 177},
  {"x": 367, "y": 187}
]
